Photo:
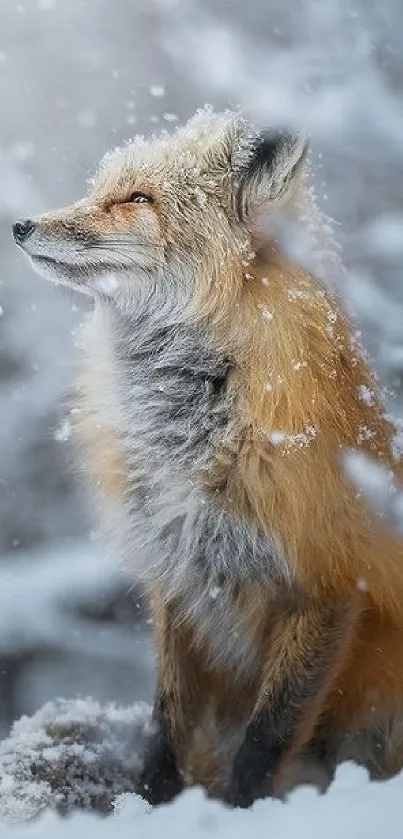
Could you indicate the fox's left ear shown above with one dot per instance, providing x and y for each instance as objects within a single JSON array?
[{"x": 269, "y": 171}]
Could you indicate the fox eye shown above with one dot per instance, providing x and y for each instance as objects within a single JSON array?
[{"x": 140, "y": 198}]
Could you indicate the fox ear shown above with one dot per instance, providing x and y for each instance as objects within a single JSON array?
[{"x": 272, "y": 172}]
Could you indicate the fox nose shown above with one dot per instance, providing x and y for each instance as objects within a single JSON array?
[{"x": 23, "y": 229}]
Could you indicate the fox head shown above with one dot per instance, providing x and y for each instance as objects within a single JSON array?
[{"x": 168, "y": 209}]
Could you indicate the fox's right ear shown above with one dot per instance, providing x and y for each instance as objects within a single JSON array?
[{"x": 271, "y": 172}]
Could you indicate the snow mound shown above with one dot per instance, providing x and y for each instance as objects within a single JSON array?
[
  {"x": 81, "y": 759},
  {"x": 352, "y": 807},
  {"x": 70, "y": 754}
]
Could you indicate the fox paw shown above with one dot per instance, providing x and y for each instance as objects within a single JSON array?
[
  {"x": 160, "y": 781},
  {"x": 235, "y": 797}
]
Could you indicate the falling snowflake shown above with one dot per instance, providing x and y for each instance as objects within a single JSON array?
[{"x": 157, "y": 90}]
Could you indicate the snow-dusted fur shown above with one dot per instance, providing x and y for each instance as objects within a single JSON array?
[{"x": 222, "y": 385}]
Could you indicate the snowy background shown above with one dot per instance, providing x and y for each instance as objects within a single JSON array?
[{"x": 81, "y": 76}]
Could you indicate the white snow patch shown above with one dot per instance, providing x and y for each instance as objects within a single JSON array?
[
  {"x": 71, "y": 753},
  {"x": 157, "y": 90}
]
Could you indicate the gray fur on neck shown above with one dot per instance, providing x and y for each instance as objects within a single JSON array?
[{"x": 174, "y": 407}]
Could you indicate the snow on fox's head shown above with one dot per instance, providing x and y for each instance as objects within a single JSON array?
[{"x": 169, "y": 208}]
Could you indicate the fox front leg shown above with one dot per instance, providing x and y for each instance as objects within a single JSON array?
[
  {"x": 304, "y": 658},
  {"x": 160, "y": 780},
  {"x": 177, "y": 707}
]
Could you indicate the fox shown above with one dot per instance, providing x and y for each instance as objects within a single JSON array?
[{"x": 221, "y": 385}]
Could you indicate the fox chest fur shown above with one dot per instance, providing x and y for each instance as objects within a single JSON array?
[{"x": 167, "y": 399}]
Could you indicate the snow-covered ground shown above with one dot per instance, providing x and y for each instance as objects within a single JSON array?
[
  {"x": 352, "y": 809},
  {"x": 88, "y": 755}
]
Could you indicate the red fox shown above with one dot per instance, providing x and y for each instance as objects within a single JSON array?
[{"x": 221, "y": 387}]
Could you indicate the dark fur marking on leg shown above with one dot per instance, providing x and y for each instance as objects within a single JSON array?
[
  {"x": 160, "y": 780},
  {"x": 273, "y": 727}
]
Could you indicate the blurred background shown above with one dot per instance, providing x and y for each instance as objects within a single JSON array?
[{"x": 76, "y": 79}]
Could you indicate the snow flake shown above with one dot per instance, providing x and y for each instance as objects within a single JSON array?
[
  {"x": 277, "y": 437},
  {"x": 157, "y": 90},
  {"x": 300, "y": 440},
  {"x": 366, "y": 395},
  {"x": 365, "y": 433},
  {"x": 200, "y": 196},
  {"x": 63, "y": 433},
  {"x": 266, "y": 313},
  {"x": 331, "y": 316},
  {"x": 303, "y": 438},
  {"x": 296, "y": 294}
]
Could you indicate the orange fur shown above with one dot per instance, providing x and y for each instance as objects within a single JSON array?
[
  {"x": 298, "y": 491},
  {"x": 336, "y": 543},
  {"x": 105, "y": 462},
  {"x": 302, "y": 394},
  {"x": 296, "y": 487}
]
